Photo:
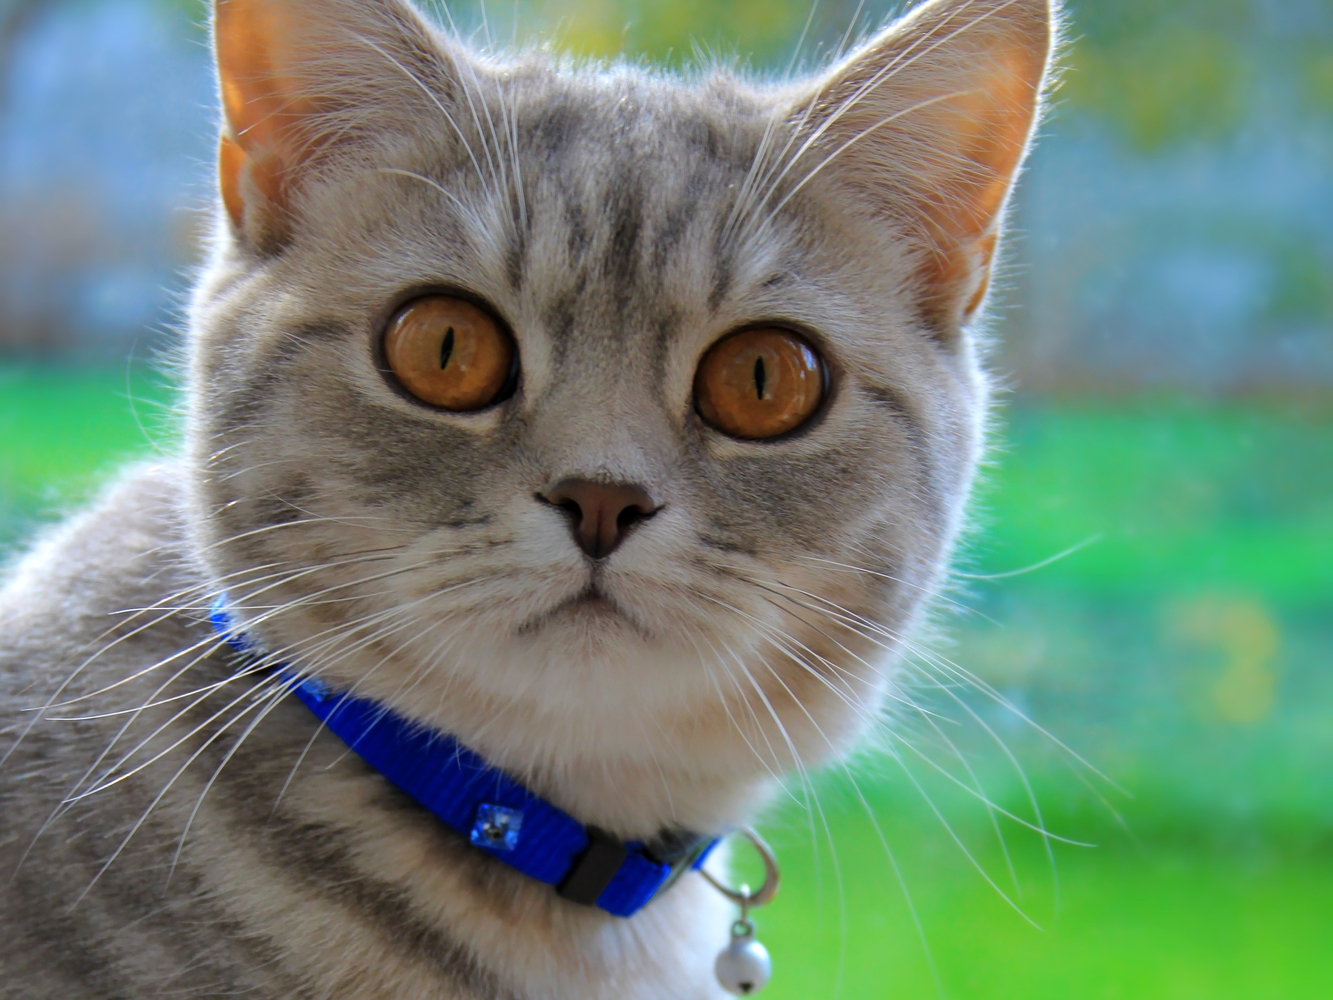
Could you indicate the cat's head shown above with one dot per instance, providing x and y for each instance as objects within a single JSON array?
[{"x": 617, "y": 423}]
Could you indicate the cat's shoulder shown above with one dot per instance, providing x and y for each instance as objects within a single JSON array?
[{"x": 126, "y": 550}]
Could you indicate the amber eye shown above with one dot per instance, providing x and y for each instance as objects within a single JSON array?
[
  {"x": 759, "y": 383},
  {"x": 449, "y": 353}
]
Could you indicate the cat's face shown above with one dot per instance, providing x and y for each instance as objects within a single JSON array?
[{"x": 611, "y": 228}]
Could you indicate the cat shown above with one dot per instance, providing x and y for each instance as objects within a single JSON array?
[{"x": 615, "y": 425}]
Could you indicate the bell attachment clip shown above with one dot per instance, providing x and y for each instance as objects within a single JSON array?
[{"x": 743, "y": 967}]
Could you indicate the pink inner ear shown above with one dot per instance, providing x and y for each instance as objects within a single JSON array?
[
  {"x": 267, "y": 116},
  {"x": 993, "y": 122},
  {"x": 231, "y": 163}
]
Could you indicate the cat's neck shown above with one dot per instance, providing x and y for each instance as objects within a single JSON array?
[{"x": 605, "y": 770}]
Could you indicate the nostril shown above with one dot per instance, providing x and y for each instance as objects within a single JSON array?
[
  {"x": 631, "y": 516},
  {"x": 566, "y": 504}
]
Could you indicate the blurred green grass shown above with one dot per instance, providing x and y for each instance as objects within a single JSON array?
[
  {"x": 1175, "y": 922},
  {"x": 1184, "y": 653},
  {"x": 64, "y": 430},
  {"x": 1180, "y": 496}
]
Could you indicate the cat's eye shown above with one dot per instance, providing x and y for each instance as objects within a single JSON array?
[
  {"x": 450, "y": 353},
  {"x": 759, "y": 383}
]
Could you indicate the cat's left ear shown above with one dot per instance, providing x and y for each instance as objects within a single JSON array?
[
  {"x": 928, "y": 123},
  {"x": 302, "y": 80}
]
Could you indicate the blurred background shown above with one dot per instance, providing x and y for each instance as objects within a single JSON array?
[{"x": 1161, "y": 695}]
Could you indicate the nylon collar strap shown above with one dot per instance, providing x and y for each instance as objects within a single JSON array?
[{"x": 496, "y": 813}]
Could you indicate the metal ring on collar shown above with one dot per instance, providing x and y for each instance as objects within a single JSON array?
[{"x": 744, "y": 898}]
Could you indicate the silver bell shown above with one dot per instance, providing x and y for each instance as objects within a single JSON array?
[{"x": 743, "y": 967}]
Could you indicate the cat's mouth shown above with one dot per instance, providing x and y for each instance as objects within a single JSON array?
[
  {"x": 590, "y": 602},
  {"x": 589, "y": 607}
]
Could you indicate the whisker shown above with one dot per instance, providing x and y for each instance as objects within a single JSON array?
[
  {"x": 143, "y": 818},
  {"x": 1092, "y": 539}
]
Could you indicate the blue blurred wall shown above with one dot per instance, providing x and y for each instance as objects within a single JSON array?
[{"x": 105, "y": 152}]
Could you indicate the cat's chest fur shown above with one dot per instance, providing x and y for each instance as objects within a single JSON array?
[{"x": 616, "y": 425}]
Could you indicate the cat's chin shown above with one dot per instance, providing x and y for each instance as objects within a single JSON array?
[{"x": 593, "y": 629}]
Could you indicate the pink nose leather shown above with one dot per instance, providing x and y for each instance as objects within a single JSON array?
[{"x": 601, "y": 514}]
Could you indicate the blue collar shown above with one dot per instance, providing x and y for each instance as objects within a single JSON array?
[{"x": 496, "y": 813}]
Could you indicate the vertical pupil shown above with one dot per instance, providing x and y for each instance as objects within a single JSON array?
[
  {"x": 447, "y": 348},
  {"x": 760, "y": 377}
]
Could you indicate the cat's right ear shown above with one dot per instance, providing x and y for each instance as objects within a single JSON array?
[
  {"x": 927, "y": 125},
  {"x": 301, "y": 81}
]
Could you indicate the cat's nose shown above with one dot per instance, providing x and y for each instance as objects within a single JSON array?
[{"x": 600, "y": 514}]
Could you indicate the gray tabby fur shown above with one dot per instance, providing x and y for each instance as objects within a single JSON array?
[{"x": 170, "y": 825}]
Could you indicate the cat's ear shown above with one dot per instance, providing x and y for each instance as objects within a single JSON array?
[
  {"x": 301, "y": 79},
  {"x": 929, "y": 123}
]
